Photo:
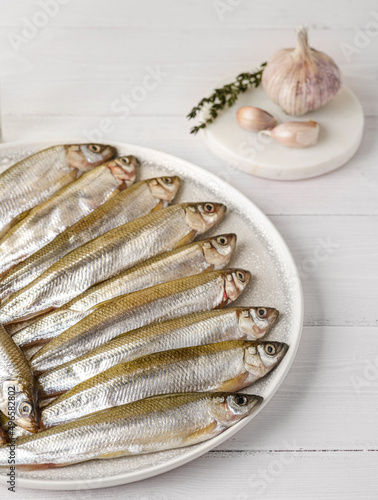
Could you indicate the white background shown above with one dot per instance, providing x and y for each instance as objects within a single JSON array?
[{"x": 318, "y": 438}]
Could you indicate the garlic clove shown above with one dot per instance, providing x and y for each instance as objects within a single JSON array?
[
  {"x": 302, "y": 79},
  {"x": 295, "y": 134},
  {"x": 255, "y": 119}
]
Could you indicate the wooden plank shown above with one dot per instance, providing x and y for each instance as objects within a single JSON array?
[
  {"x": 349, "y": 190},
  {"x": 247, "y": 476},
  {"x": 58, "y": 64},
  {"x": 196, "y": 13},
  {"x": 108, "y": 91}
]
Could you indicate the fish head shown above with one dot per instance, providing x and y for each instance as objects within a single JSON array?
[
  {"x": 228, "y": 408},
  {"x": 261, "y": 357},
  {"x": 235, "y": 282},
  {"x": 164, "y": 188},
  {"x": 218, "y": 250},
  {"x": 200, "y": 217},
  {"x": 86, "y": 156},
  {"x": 124, "y": 169},
  {"x": 18, "y": 403},
  {"x": 255, "y": 321}
]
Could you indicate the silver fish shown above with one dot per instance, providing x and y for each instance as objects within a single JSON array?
[
  {"x": 107, "y": 255},
  {"x": 201, "y": 292},
  {"x": 147, "y": 426},
  {"x": 18, "y": 393},
  {"x": 34, "y": 179},
  {"x": 213, "y": 253},
  {"x": 224, "y": 366},
  {"x": 134, "y": 202},
  {"x": 68, "y": 205},
  {"x": 249, "y": 323}
]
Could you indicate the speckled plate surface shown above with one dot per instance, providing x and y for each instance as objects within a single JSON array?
[{"x": 275, "y": 282}]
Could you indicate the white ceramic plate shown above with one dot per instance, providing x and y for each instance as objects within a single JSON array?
[{"x": 275, "y": 282}]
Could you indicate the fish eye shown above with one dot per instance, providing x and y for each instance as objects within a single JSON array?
[
  {"x": 270, "y": 349},
  {"x": 261, "y": 312},
  {"x": 26, "y": 408},
  {"x": 125, "y": 160},
  {"x": 222, "y": 240},
  {"x": 95, "y": 148},
  {"x": 241, "y": 400},
  {"x": 209, "y": 207},
  {"x": 240, "y": 276},
  {"x": 167, "y": 180}
]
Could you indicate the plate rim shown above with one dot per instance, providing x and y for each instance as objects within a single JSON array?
[{"x": 201, "y": 449}]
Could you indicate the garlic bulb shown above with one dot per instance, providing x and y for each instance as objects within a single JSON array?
[
  {"x": 295, "y": 134},
  {"x": 255, "y": 119},
  {"x": 301, "y": 79}
]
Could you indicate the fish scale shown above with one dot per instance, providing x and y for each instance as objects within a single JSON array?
[
  {"x": 174, "y": 298},
  {"x": 195, "y": 329},
  {"x": 44, "y": 222},
  {"x": 34, "y": 179},
  {"x": 106, "y": 255},
  {"x": 230, "y": 365},
  {"x": 154, "y": 424}
]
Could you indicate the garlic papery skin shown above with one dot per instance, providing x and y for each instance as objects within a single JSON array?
[
  {"x": 302, "y": 79},
  {"x": 295, "y": 134},
  {"x": 255, "y": 119}
]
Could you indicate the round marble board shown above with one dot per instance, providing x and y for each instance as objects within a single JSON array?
[{"x": 341, "y": 127}]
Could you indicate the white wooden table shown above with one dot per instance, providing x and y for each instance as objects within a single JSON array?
[{"x": 72, "y": 76}]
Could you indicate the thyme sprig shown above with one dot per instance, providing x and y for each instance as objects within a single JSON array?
[{"x": 225, "y": 96}]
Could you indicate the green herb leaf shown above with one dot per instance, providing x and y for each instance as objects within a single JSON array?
[{"x": 225, "y": 96}]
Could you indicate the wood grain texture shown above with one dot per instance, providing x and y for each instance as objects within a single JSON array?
[
  {"x": 318, "y": 436},
  {"x": 337, "y": 257},
  {"x": 189, "y": 69},
  {"x": 195, "y": 14},
  {"x": 248, "y": 476}
]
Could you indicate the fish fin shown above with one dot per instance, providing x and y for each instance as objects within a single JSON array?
[
  {"x": 197, "y": 436},
  {"x": 114, "y": 454},
  {"x": 45, "y": 402},
  {"x": 42, "y": 466},
  {"x": 160, "y": 205},
  {"x": 234, "y": 384},
  {"x": 187, "y": 239}
]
